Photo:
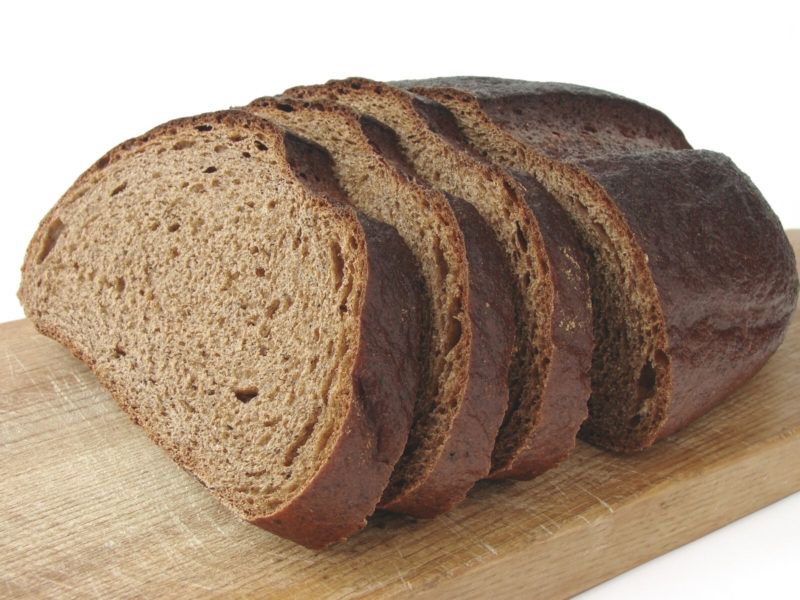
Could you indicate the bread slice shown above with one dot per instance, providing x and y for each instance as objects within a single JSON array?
[
  {"x": 468, "y": 292},
  {"x": 549, "y": 374},
  {"x": 561, "y": 120},
  {"x": 693, "y": 278},
  {"x": 213, "y": 277}
]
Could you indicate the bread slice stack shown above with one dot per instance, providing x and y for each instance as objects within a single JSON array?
[
  {"x": 465, "y": 395},
  {"x": 361, "y": 295}
]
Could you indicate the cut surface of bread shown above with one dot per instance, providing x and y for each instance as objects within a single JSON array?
[
  {"x": 470, "y": 338},
  {"x": 549, "y": 374},
  {"x": 561, "y": 120},
  {"x": 212, "y": 275},
  {"x": 693, "y": 279}
]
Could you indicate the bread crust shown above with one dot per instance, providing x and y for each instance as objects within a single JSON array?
[
  {"x": 340, "y": 496},
  {"x": 563, "y": 121}
]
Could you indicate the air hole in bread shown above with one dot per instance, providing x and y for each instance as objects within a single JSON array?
[
  {"x": 294, "y": 448},
  {"x": 54, "y": 231},
  {"x": 272, "y": 309},
  {"x": 284, "y": 107},
  {"x": 174, "y": 227},
  {"x": 119, "y": 188},
  {"x": 453, "y": 334},
  {"x": 210, "y": 170},
  {"x": 441, "y": 262},
  {"x": 119, "y": 351},
  {"x": 197, "y": 188},
  {"x": 337, "y": 265},
  {"x": 521, "y": 239},
  {"x": 246, "y": 154},
  {"x": 119, "y": 285},
  {"x": 647, "y": 381},
  {"x": 260, "y": 272},
  {"x": 204, "y": 128},
  {"x": 245, "y": 394},
  {"x": 183, "y": 144},
  {"x": 261, "y": 146}
]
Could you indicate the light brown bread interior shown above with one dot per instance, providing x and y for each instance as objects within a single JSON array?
[
  {"x": 216, "y": 285},
  {"x": 381, "y": 185},
  {"x": 435, "y": 150}
]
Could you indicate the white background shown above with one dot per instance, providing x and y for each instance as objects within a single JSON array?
[{"x": 77, "y": 79}]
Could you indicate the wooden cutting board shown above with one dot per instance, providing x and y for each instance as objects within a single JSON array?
[{"x": 89, "y": 507}]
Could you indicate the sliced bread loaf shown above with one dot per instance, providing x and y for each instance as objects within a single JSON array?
[
  {"x": 213, "y": 276},
  {"x": 693, "y": 278},
  {"x": 549, "y": 374},
  {"x": 465, "y": 394}
]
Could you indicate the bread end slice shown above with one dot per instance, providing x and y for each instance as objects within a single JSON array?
[{"x": 215, "y": 280}]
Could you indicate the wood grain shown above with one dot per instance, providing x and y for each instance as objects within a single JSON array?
[{"x": 91, "y": 508}]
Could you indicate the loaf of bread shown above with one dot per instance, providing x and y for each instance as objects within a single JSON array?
[
  {"x": 549, "y": 378},
  {"x": 471, "y": 322},
  {"x": 215, "y": 279},
  {"x": 693, "y": 279},
  {"x": 362, "y": 295}
]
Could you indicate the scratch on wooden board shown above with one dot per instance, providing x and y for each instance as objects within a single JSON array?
[
  {"x": 605, "y": 504},
  {"x": 458, "y": 528},
  {"x": 14, "y": 365},
  {"x": 406, "y": 583}
]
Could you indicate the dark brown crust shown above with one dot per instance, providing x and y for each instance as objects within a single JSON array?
[
  {"x": 563, "y": 407},
  {"x": 347, "y": 488},
  {"x": 345, "y": 491},
  {"x": 466, "y": 457},
  {"x": 724, "y": 269},
  {"x": 563, "y": 121}
]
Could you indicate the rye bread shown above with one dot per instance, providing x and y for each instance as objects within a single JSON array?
[
  {"x": 549, "y": 377},
  {"x": 468, "y": 296},
  {"x": 693, "y": 278},
  {"x": 267, "y": 336}
]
